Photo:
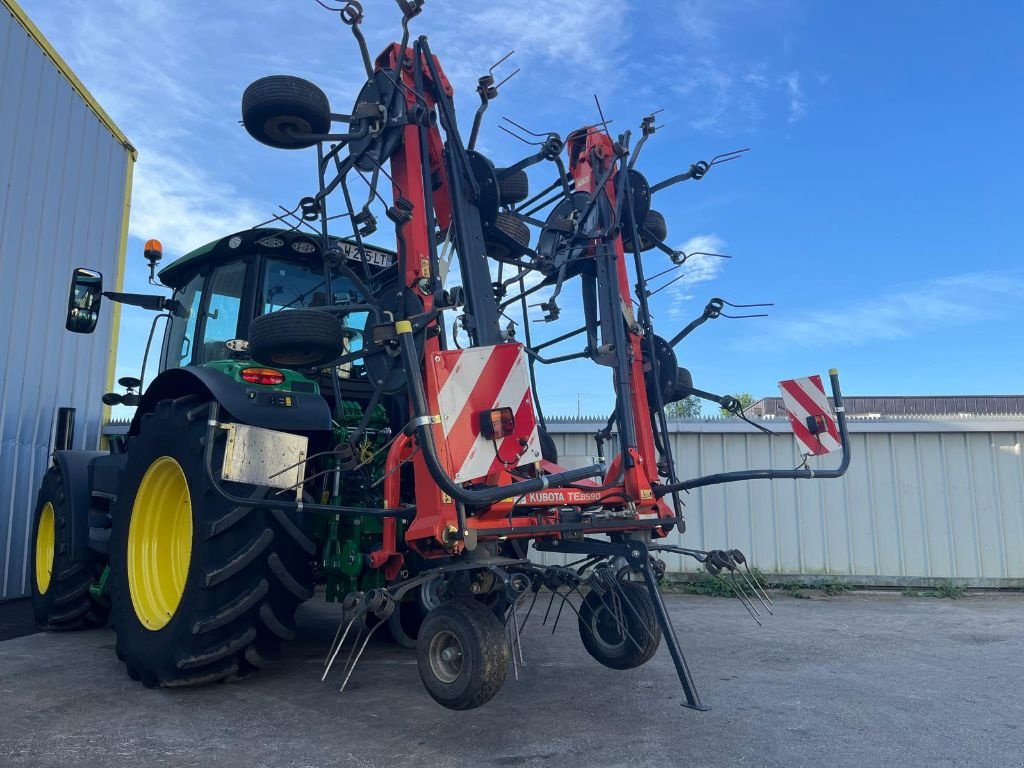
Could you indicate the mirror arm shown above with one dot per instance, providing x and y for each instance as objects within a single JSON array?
[{"x": 148, "y": 301}]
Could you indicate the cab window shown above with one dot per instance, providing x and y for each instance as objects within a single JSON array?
[
  {"x": 293, "y": 285},
  {"x": 182, "y": 333},
  {"x": 222, "y": 311}
]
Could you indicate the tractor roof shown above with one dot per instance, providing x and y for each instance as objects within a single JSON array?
[{"x": 284, "y": 242}]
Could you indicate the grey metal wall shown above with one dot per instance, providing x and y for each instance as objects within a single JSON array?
[
  {"x": 62, "y": 188},
  {"x": 927, "y": 498}
]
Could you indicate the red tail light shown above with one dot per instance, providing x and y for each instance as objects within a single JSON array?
[
  {"x": 262, "y": 376},
  {"x": 497, "y": 423}
]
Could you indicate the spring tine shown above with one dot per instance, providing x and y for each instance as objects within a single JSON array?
[
  {"x": 727, "y": 583},
  {"x": 334, "y": 642},
  {"x": 337, "y": 650},
  {"x": 754, "y": 589},
  {"x": 519, "y": 639},
  {"x": 764, "y": 589},
  {"x": 352, "y": 668},
  {"x": 762, "y": 595},
  {"x": 355, "y": 644},
  {"x": 529, "y": 610},
  {"x": 743, "y": 583},
  {"x": 548, "y": 611},
  {"x": 559, "y": 614},
  {"x": 512, "y": 648},
  {"x": 741, "y": 590}
]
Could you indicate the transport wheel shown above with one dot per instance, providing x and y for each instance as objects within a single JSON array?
[
  {"x": 508, "y": 238},
  {"x": 608, "y": 632},
  {"x": 281, "y": 110},
  {"x": 653, "y": 223},
  {"x": 513, "y": 188},
  {"x": 61, "y": 598},
  {"x": 462, "y": 654},
  {"x": 296, "y": 338},
  {"x": 203, "y": 589},
  {"x": 548, "y": 449}
]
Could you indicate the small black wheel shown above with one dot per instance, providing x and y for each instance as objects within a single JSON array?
[
  {"x": 620, "y": 629},
  {"x": 655, "y": 224},
  {"x": 405, "y": 621},
  {"x": 61, "y": 598},
  {"x": 296, "y": 338},
  {"x": 548, "y": 449},
  {"x": 282, "y": 111},
  {"x": 513, "y": 188},
  {"x": 508, "y": 238},
  {"x": 462, "y": 654},
  {"x": 684, "y": 380}
]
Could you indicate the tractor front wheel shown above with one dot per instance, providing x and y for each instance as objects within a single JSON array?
[
  {"x": 61, "y": 595},
  {"x": 203, "y": 589},
  {"x": 462, "y": 654}
]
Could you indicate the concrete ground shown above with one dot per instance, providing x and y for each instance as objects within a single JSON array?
[{"x": 856, "y": 680}]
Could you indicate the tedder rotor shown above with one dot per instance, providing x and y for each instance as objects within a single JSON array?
[{"x": 332, "y": 413}]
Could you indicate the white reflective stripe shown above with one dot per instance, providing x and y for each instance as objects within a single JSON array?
[
  {"x": 801, "y": 413},
  {"x": 461, "y": 380}
]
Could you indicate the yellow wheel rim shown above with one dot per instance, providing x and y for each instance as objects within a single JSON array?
[
  {"x": 45, "y": 544},
  {"x": 159, "y": 543}
]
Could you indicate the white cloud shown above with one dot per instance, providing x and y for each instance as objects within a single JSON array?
[
  {"x": 903, "y": 312},
  {"x": 184, "y": 206},
  {"x": 698, "y": 269},
  {"x": 697, "y": 20},
  {"x": 797, "y": 101}
]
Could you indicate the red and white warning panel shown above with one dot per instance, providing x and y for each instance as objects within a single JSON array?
[
  {"x": 486, "y": 408},
  {"x": 814, "y": 423}
]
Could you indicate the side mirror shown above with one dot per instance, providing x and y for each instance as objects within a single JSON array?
[{"x": 84, "y": 301}]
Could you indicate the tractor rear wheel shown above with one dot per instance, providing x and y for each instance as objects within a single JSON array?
[
  {"x": 462, "y": 654},
  {"x": 203, "y": 589},
  {"x": 620, "y": 629},
  {"x": 61, "y": 598}
]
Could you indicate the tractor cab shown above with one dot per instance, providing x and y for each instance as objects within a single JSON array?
[
  {"x": 223, "y": 285},
  {"x": 219, "y": 288}
]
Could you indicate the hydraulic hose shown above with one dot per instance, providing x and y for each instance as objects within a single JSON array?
[{"x": 477, "y": 497}]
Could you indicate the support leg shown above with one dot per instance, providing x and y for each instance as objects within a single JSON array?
[{"x": 639, "y": 560}]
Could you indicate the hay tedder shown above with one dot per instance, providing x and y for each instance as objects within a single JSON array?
[{"x": 367, "y": 419}]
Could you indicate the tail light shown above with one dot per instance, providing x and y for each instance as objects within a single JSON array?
[
  {"x": 262, "y": 376},
  {"x": 497, "y": 423}
]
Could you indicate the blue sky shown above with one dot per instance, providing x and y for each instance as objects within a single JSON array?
[{"x": 880, "y": 207}]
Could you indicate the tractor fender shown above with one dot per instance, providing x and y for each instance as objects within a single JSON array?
[
  {"x": 249, "y": 404},
  {"x": 74, "y": 471}
]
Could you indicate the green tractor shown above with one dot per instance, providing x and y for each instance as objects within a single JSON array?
[{"x": 201, "y": 587}]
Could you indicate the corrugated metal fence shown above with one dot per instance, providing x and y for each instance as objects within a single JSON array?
[
  {"x": 926, "y": 498},
  {"x": 62, "y": 188}
]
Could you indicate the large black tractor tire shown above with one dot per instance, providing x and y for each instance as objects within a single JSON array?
[
  {"x": 296, "y": 338},
  {"x": 620, "y": 636},
  {"x": 61, "y": 598},
  {"x": 281, "y": 111},
  {"x": 203, "y": 589},
  {"x": 462, "y": 654}
]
